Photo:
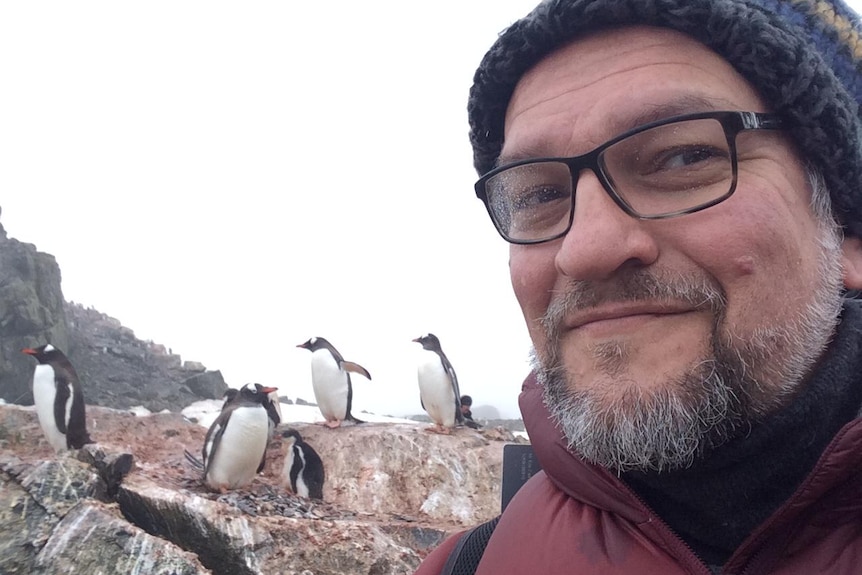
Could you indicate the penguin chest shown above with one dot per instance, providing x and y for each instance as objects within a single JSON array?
[
  {"x": 436, "y": 390},
  {"x": 331, "y": 386},
  {"x": 44, "y": 396},
  {"x": 240, "y": 449}
]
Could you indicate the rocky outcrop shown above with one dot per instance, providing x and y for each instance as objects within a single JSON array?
[
  {"x": 55, "y": 519},
  {"x": 121, "y": 371},
  {"x": 116, "y": 368},
  {"x": 31, "y": 312},
  {"x": 393, "y": 492}
]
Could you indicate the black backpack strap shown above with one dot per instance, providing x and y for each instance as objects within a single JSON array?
[{"x": 465, "y": 557}]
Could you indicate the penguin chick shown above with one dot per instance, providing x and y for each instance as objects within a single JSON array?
[
  {"x": 303, "y": 469},
  {"x": 438, "y": 386},
  {"x": 235, "y": 444},
  {"x": 330, "y": 379},
  {"x": 59, "y": 399}
]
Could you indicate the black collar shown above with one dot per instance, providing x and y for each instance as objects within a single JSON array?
[{"x": 715, "y": 504}]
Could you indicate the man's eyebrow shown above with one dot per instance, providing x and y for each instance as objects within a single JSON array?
[
  {"x": 524, "y": 152},
  {"x": 687, "y": 104}
]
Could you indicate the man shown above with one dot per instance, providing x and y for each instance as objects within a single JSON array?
[
  {"x": 466, "y": 404},
  {"x": 681, "y": 183}
]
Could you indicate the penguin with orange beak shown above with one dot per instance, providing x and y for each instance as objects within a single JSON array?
[
  {"x": 235, "y": 444},
  {"x": 58, "y": 398}
]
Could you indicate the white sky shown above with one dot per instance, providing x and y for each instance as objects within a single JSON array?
[{"x": 232, "y": 178}]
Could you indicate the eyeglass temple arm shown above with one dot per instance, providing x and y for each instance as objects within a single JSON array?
[{"x": 755, "y": 121}]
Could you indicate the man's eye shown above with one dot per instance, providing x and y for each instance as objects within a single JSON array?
[
  {"x": 537, "y": 196},
  {"x": 687, "y": 157}
]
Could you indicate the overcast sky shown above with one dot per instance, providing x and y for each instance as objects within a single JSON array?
[{"x": 232, "y": 178}]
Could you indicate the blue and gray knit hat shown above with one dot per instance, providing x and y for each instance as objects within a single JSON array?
[{"x": 803, "y": 56}]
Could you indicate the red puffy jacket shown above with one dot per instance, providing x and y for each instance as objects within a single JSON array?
[{"x": 576, "y": 518}]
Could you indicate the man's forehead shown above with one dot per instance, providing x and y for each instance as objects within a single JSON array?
[
  {"x": 536, "y": 145},
  {"x": 618, "y": 79}
]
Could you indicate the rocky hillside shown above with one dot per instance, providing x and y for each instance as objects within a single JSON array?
[
  {"x": 31, "y": 311},
  {"x": 131, "y": 504},
  {"x": 122, "y": 371},
  {"x": 118, "y": 370}
]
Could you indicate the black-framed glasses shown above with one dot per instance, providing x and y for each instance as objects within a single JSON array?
[{"x": 663, "y": 169}]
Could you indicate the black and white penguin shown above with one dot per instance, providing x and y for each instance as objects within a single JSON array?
[
  {"x": 235, "y": 445},
  {"x": 303, "y": 469},
  {"x": 438, "y": 386},
  {"x": 330, "y": 378},
  {"x": 59, "y": 399},
  {"x": 229, "y": 395},
  {"x": 273, "y": 407}
]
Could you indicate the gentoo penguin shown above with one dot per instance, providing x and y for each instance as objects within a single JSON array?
[
  {"x": 303, "y": 469},
  {"x": 229, "y": 395},
  {"x": 438, "y": 385},
  {"x": 330, "y": 379},
  {"x": 273, "y": 407},
  {"x": 59, "y": 399},
  {"x": 235, "y": 444},
  {"x": 272, "y": 411}
]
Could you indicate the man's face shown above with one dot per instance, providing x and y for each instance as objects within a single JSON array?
[{"x": 638, "y": 323}]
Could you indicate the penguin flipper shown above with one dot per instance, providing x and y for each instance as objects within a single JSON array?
[
  {"x": 76, "y": 432},
  {"x": 213, "y": 438},
  {"x": 355, "y": 368},
  {"x": 194, "y": 461},
  {"x": 262, "y": 462},
  {"x": 314, "y": 472},
  {"x": 453, "y": 379},
  {"x": 348, "y": 415},
  {"x": 62, "y": 402}
]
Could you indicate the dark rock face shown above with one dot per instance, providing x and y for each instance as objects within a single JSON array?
[
  {"x": 116, "y": 369},
  {"x": 31, "y": 313},
  {"x": 119, "y": 370}
]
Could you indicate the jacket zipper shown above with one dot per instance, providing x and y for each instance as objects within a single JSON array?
[{"x": 701, "y": 568}]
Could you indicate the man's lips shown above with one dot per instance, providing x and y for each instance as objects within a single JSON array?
[{"x": 635, "y": 310}]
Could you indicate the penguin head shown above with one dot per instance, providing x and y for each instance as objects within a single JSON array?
[
  {"x": 44, "y": 354},
  {"x": 429, "y": 341},
  {"x": 315, "y": 343},
  {"x": 230, "y": 396},
  {"x": 265, "y": 390},
  {"x": 293, "y": 435},
  {"x": 256, "y": 393}
]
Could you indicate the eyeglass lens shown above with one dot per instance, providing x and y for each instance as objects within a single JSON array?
[{"x": 660, "y": 171}]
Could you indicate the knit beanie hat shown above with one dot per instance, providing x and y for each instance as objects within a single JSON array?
[{"x": 804, "y": 57}]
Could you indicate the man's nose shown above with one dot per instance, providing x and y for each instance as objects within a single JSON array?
[{"x": 603, "y": 238}]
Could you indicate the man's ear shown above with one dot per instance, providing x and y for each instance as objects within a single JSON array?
[{"x": 852, "y": 261}]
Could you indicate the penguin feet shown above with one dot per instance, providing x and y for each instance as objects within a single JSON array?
[
  {"x": 332, "y": 424},
  {"x": 439, "y": 429}
]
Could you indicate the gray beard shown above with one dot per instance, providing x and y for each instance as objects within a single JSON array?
[{"x": 732, "y": 388}]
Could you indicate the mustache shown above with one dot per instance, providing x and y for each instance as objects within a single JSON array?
[{"x": 699, "y": 292}]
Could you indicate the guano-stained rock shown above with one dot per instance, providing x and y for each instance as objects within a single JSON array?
[
  {"x": 393, "y": 493},
  {"x": 91, "y": 539},
  {"x": 222, "y": 536},
  {"x": 24, "y": 527}
]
